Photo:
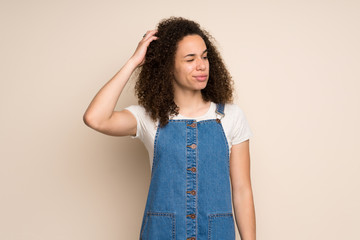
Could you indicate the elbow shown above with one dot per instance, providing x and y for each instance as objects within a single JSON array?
[
  {"x": 86, "y": 119},
  {"x": 90, "y": 121},
  {"x": 240, "y": 193}
]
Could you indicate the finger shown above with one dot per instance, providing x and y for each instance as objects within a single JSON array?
[
  {"x": 149, "y": 34},
  {"x": 148, "y": 41}
]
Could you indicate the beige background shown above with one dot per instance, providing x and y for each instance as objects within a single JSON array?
[{"x": 296, "y": 67}]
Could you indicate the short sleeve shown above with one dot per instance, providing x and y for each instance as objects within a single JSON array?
[
  {"x": 139, "y": 114},
  {"x": 241, "y": 130}
]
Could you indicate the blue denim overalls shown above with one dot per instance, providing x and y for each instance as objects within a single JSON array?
[{"x": 189, "y": 195}]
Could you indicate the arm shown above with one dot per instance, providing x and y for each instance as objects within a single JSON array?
[
  {"x": 100, "y": 114},
  {"x": 241, "y": 190}
]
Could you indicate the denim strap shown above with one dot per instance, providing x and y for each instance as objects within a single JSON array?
[{"x": 220, "y": 109}]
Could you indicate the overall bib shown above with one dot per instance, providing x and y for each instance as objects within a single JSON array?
[{"x": 189, "y": 195}]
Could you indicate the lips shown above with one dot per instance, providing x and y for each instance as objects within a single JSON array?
[{"x": 201, "y": 77}]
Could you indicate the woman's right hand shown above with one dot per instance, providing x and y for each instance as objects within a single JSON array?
[
  {"x": 100, "y": 114},
  {"x": 139, "y": 55}
]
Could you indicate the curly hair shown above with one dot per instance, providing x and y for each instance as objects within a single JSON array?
[{"x": 154, "y": 86}]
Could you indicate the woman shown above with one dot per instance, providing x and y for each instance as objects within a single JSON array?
[{"x": 198, "y": 141}]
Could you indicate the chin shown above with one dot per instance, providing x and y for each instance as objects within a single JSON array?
[{"x": 202, "y": 86}]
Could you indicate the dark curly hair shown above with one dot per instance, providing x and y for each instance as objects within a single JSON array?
[{"x": 154, "y": 86}]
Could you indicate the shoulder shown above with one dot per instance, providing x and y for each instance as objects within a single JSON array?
[
  {"x": 139, "y": 112},
  {"x": 232, "y": 109},
  {"x": 236, "y": 124},
  {"x": 234, "y": 118},
  {"x": 136, "y": 109},
  {"x": 145, "y": 124}
]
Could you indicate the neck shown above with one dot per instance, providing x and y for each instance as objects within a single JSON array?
[{"x": 191, "y": 103}]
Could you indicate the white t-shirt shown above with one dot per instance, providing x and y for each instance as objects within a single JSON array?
[{"x": 234, "y": 123}]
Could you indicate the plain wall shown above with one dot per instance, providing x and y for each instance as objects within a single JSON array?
[{"x": 296, "y": 70}]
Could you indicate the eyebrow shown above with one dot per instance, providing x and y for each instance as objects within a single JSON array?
[{"x": 193, "y": 54}]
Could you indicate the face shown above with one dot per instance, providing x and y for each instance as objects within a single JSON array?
[{"x": 191, "y": 69}]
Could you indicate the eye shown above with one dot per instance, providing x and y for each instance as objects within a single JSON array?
[
  {"x": 190, "y": 60},
  {"x": 205, "y": 57}
]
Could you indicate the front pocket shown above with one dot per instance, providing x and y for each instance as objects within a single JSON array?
[
  {"x": 158, "y": 226},
  {"x": 221, "y": 226}
]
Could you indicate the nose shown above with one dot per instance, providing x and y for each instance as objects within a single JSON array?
[{"x": 200, "y": 64}]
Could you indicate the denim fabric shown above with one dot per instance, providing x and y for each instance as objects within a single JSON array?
[{"x": 189, "y": 195}]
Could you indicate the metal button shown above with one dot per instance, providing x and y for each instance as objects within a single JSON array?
[
  {"x": 192, "y": 146},
  {"x": 192, "y": 238},
  {"x": 193, "y": 125},
  {"x": 193, "y": 192},
  {"x": 193, "y": 169},
  {"x": 192, "y": 216}
]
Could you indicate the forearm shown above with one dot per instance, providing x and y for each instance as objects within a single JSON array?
[
  {"x": 245, "y": 213},
  {"x": 103, "y": 104}
]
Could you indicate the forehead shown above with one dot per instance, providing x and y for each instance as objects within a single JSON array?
[{"x": 191, "y": 44}]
